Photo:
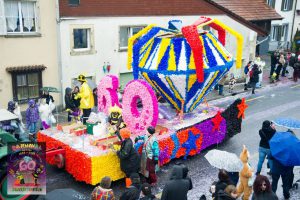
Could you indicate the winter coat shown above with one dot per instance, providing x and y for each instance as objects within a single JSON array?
[
  {"x": 280, "y": 169},
  {"x": 265, "y": 196},
  {"x": 75, "y": 101},
  {"x": 254, "y": 78},
  {"x": 266, "y": 135},
  {"x": 32, "y": 115},
  {"x": 150, "y": 146},
  {"x": 220, "y": 186},
  {"x": 87, "y": 97},
  {"x": 129, "y": 158},
  {"x": 292, "y": 61},
  {"x": 100, "y": 193},
  {"x": 224, "y": 196},
  {"x": 177, "y": 188},
  {"x": 297, "y": 66},
  {"x": 68, "y": 99},
  {"x": 132, "y": 193}
]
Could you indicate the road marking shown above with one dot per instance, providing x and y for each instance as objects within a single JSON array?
[
  {"x": 295, "y": 86},
  {"x": 248, "y": 100}
]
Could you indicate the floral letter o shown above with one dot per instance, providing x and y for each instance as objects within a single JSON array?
[
  {"x": 107, "y": 93},
  {"x": 137, "y": 120}
]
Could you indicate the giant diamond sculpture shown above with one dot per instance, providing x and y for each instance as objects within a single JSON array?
[{"x": 182, "y": 66}]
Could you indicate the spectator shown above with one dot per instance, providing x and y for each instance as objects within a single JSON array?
[
  {"x": 266, "y": 133},
  {"x": 254, "y": 78},
  {"x": 70, "y": 106},
  {"x": 147, "y": 193},
  {"x": 232, "y": 82},
  {"x": 134, "y": 190},
  {"x": 221, "y": 85},
  {"x": 274, "y": 62},
  {"x": 286, "y": 174},
  {"x": 95, "y": 95},
  {"x": 223, "y": 182},
  {"x": 48, "y": 97},
  {"x": 103, "y": 191},
  {"x": 176, "y": 188},
  {"x": 150, "y": 155},
  {"x": 230, "y": 193},
  {"x": 32, "y": 117},
  {"x": 262, "y": 189},
  {"x": 74, "y": 93},
  {"x": 129, "y": 159},
  {"x": 247, "y": 69},
  {"x": 280, "y": 65},
  {"x": 296, "y": 67}
]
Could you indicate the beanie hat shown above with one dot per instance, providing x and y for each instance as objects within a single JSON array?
[
  {"x": 125, "y": 133},
  {"x": 266, "y": 124},
  {"x": 151, "y": 130}
]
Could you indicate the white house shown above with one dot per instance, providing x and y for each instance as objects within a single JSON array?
[{"x": 94, "y": 34}]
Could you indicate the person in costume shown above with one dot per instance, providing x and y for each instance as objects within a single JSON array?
[
  {"x": 20, "y": 178},
  {"x": 32, "y": 117},
  {"x": 45, "y": 113},
  {"x": 150, "y": 155},
  {"x": 86, "y": 98},
  {"x": 103, "y": 191},
  {"x": 129, "y": 158},
  {"x": 37, "y": 173},
  {"x": 245, "y": 174},
  {"x": 115, "y": 120}
]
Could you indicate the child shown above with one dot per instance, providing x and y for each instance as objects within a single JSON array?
[
  {"x": 32, "y": 117},
  {"x": 232, "y": 82}
]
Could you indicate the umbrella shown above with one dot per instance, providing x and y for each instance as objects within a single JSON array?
[
  {"x": 64, "y": 194},
  {"x": 224, "y": 160},
  {"x": 50, "y": 89},
  {"x": 285, "y": 147},
  {"x": 288, "y": 123}
]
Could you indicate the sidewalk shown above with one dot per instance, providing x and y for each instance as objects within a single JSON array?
[{"x": 239, "y": 87}]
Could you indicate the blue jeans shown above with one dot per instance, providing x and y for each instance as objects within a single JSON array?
[
  {"x": 32, "y": 128},
  {"x": 221, "y": 89},
  {"x": 263, "y": 153}
]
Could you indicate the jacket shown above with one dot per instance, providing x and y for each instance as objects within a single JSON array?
[
  {"x": 177, "y": 188},
  {"x": 32, "y": 115},
  {"x": 280, "y": 169},
  {"x": 150, "y": 146},
  {"x": 264, "y": 196},
  {"x": 68, "y": 99},
  {"x": 87, "y": 97},
  {"x": 100, "y": 193},
  {"x": 132, "y": 193},
  {"x": 224, "y": 196},
  {"x": 220, "y": 186},
  {"x": 150, "y": 197},
  {"x": 254, "y": 78},
  {"x": 265, "y": 136},
  {"x": 129, "y": 158}
]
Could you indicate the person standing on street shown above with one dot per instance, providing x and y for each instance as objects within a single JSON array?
[
  {"x": 262, "y": 189},
  {"x": 221, "y": 85},
  {"x": 86, "y": 98},
  {"x": 266, "y": 133},
  {"x": 274, "y": 62},
  {"x": 254, "y": 78},
  {"x": 296, "y": 67}
]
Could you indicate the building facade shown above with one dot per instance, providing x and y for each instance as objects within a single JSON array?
[
  {"x": 94, "y": 35},
  {"x": 28, "y": 46}
]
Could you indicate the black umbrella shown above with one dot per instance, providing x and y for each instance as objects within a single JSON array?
[{"x": 64, "y": 194}]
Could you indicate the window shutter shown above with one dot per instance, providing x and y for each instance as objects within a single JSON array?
[
  {"x": 291, "y": 4},
  {"x": 2, "y": 19},
  {"x": 282, "y": 4},
  {"x": 279, "y": 33}
]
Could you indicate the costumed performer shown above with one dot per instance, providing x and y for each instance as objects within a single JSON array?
[
  {"x": 45, "y": 113},
  {"x": 129, "y": 158},
  {"x": 150, "y": 155},
  {"x": 32, "y": 117},
  {"x": 115, "y": 120},
  {"x": 246, "y": 173},
  {"x": 86, "y": 98}
]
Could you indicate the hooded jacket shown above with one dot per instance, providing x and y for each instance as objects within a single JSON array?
[
  {"x": 87, "y": 97},
  {"x": 177, "y": 188},
  {"x": 100, "y": 193},
  {"x": 132, "y": 193},
  {"x": 68, "y": 99},
  {"x": 265, "y": 195},
  {"x": 224, "y": 196}
]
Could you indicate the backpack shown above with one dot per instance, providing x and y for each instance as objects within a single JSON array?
[{"x": 246, "y": 69}]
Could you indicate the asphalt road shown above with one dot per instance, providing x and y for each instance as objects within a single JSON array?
[{"x": 270, "y": 104}]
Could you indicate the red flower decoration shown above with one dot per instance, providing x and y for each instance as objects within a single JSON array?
[
  {"x": 217, "y": 121},
  {"x": 242, "y": 107}
]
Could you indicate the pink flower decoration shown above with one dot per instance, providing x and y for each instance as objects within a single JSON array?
[
  {"x": 107, "y": 93},
  {"x": 137, "y": 120}
]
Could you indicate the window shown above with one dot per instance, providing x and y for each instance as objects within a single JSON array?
[
  {"x": 125, "y": 33},
  {"x": 20, "y": 16},
  {"x": 287, "y": 5},
  {"x": 271, "y": 3},
  {"x": 26, "y": 85},
  {"x": 279, "y": 32},
  {"x": 74, "y": 2},
  {"x": 82, "y": 39}
]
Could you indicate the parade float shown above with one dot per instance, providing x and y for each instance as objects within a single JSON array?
[{"x": 182, "y": 65}]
